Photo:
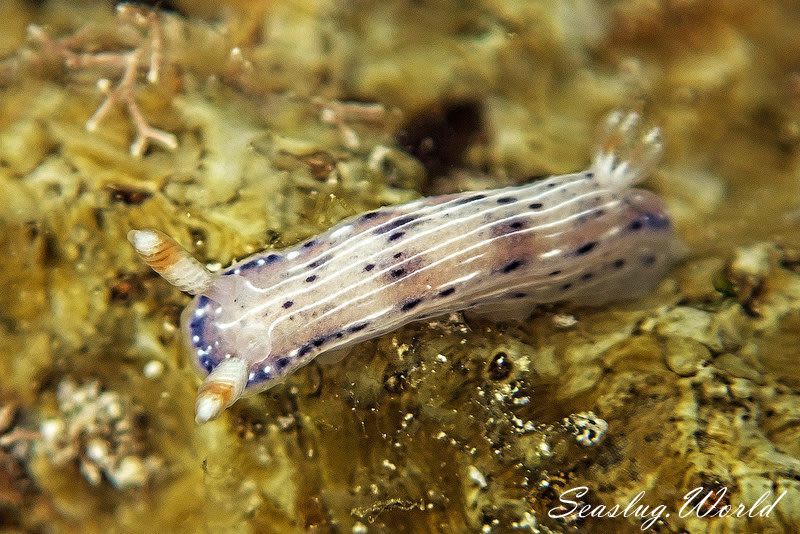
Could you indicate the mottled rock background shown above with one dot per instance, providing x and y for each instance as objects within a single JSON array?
[{"x": 453, "y": 425}]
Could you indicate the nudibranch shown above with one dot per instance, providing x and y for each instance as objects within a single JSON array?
[{"x": 585, "y": 238}]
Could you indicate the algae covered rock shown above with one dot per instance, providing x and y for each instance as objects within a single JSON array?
[{"x": 241, "y": 126}]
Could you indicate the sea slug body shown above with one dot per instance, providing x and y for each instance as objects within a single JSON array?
[{"x": 586, "y": 238}]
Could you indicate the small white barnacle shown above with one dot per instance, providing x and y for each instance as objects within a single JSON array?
[{"x": 588, "y": 428}]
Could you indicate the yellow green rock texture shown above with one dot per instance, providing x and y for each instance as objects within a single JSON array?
[{"x": 459, "y": 424}]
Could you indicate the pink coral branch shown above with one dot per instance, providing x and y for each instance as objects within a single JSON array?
[
  {"x": 127, "y": 63},
  {"x": 124, "y": 93},
  {"x": 342, "y": 114},
  {"x": 148, "y": 18}
]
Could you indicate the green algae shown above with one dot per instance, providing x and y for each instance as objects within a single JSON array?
[{"x": 450, "y": 425}]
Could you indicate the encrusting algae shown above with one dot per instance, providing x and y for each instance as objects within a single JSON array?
[{"x": 256, "y": 125}]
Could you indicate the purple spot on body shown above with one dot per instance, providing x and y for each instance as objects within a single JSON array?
[
  {"x": 410, "y": 304},
  {"x": 583, "y": 249},
  {"x": 369, "y": 266},
  {"x": 448, "y": 291},
  {"x": 283, "y": 362},
  {"x": 358, "y": 327},
  {"x": 309, "y": 244},
  {"x": 288, "y": 304},
  {"x": 316, "y": 263},
  {"x": 506, "y": 200},
  {"x": 397, "y": 272},
  {"x": 261, "y": 375},
  {"x": 396, "y": 235},
  {"x": 394, "y": 224},
  {"x": 248, "y": 265},
  {"x": 469, "y": 199},
  {"x": 535, "y": 205},
  {"x": 512, "y": 266},
  {"x": 311, "y": 278},
  {"x": 652, "y": 221}
]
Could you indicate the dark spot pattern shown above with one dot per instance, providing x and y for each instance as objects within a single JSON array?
[
  {"x": 206, "y": 363},
  {"x": 311, "y": 278},
  {"x": 506, "y": 200},
  {"x": 590, "y": 175},
  {"x": 566, "y": 286},
  {"x": 396, "y": 235},
  {"x": 512, "y": 266},
  {"x": 410, "y": 304},
  {"x": 319, "y": 341},
  {"x": 554, "y": 273},
  {"x": 535, "y": 205},
  {"x": 394, "y": 224},
  {"x": 357, "y": 327},
  {"x": 288, "y": 304},
  {"x": 249, "y": 265},
  {"x": 271, "y": 258},
  {"x": 369, "y": 266},
  {"x": 586, "y": 276},
  {"x": 619, "y": 263},
  {"x": 397, "y": 255},
  {"x": 648, "y": 260},
  {"x": 369, "y": 215},
  {"x": 309, "y": 244},
  {"x": 519, "y": 295},
  {"x": 585, "y": 248},
  {"x": 396, "y": 273},
  {"x": 283, "y": 362},
  {"x": 446, "y": 292},
  {"x": 195, "y": 327},
  {"x": 650, "y": 220},
  {"x": 261, "y": 375},
  {"x": 516, "y": 225},
  {"x": 469, "y": 199},
  {"x": 316, "y": 263}
]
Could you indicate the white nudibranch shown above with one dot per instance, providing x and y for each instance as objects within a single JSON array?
[{"x": 585, "y": 238}]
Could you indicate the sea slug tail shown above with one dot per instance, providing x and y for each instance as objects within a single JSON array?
[
  {"x": 170, "y": 260},
  {"x": 624, "y": 155},
  {"x": 220, "y": 389}
]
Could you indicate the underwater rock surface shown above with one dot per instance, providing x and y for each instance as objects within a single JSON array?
[{"x": 258, "y": 124}]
